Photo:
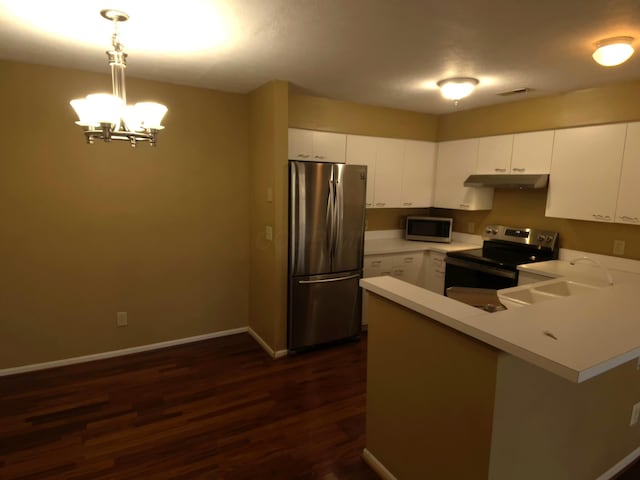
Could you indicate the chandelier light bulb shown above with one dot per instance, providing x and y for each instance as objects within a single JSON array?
[
  {"x": 107, "y": 116},
  {"x": 457, "y": 88},
  {"x": 613, "y": 51}
]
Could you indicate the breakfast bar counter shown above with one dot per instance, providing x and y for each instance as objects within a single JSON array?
[{"x": 536, "y": 391}]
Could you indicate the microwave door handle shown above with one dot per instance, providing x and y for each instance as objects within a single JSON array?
[{"x": 481, "y": 268}]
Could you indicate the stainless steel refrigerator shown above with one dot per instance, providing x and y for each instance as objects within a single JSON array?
[{"x": 326, "y": 242}]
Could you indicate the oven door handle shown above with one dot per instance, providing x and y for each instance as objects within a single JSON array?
[{"x": 481, "y": 268}]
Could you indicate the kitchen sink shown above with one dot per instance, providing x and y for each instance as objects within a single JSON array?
[
  {"x": 527, "y": 296},
  {"x": 543, "y": 291},
  {"x": 565, "y": 288}
]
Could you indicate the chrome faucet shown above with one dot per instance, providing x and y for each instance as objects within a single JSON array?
[{"x": 597, "y": 263}]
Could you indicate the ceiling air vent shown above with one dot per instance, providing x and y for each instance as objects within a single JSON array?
[{"x": 516, "y": 91}]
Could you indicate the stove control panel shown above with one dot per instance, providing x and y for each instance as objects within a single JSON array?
[{"x": 527, "y": 236}]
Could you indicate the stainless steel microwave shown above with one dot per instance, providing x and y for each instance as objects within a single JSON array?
[{"x": 428, "y": 229}]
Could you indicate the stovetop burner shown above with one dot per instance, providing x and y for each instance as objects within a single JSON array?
[{"x": 507, "y": 247}]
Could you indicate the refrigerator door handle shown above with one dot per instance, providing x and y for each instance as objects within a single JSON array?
[
  {"x": 329, "y": 216},
  {"x": 338, "y": 215},
  {"x": 328, "y": 280}
]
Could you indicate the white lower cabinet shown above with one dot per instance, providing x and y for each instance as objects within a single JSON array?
[
  {"x": 404, "y": 266},
  {"x": 434, "y": 273}
]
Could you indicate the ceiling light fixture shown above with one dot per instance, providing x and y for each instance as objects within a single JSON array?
[
  {"x": 108, "y": 117},
  {"x": 613, "y": 51},
  {"x": 457, "y": 88}
]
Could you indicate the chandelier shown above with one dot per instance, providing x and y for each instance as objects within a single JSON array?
[{"x": 107, "y": 116}]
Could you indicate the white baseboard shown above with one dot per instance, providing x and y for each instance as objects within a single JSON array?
[
  {"x": 621, "y": 465},
  {"x": 272, "y": 353},
  {"x": 118, "y": 353},
  {"x": 376, "y": 466}
]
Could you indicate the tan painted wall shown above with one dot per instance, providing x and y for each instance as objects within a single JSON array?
[
  {"x": 268, "y": 154},
  {"x": 430, "y": 396},
  {"x": 316, "y": 113},
  {"x": 441, "y": 404},
  {"x": 610, "y": 104},
  {"x": 547, "y": 427},
  {"x": 90, "y": 230}
]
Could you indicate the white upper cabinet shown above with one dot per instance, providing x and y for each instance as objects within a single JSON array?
[
  {"x": 313, "y": 146},
  {"x": 387, "y": 191},
  {"x": 418, "y": 170},
  {"x": 585, "y": 172},
  {"x": 494, "y": 154},
  {"x": 628, "y": 208},
  {"x": 400, "y": 173},
  {"x": 522, "y": 153},
  {"x": 362, "y": 151},
  {"x": 532, "y": 152},
  {"x": 456, "y": 160}
]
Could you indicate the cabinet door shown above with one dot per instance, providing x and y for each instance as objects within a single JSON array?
[
  {"x": 456, "y": 160},
  {"x": 418, "y": 170},
  {"x": 329, "y": 147},
  {"x": 585, "y": 172},
  {"x": 388, "y": 181},
  {"x": 628, "y": 209},
  {"x": 362, "y": 151},
  {"x": 377, "y": 265},
  {"x": 300, "y": 144},
  {"x": 532, "y": 152},
  {"x": 407, "y": 267},
  {"x": 494, "y": 154},
  {"x": 435, "y": 272}
]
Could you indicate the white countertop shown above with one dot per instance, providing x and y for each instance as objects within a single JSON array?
[
  {"x": 595, "y": 331},
  {"x": 400, "y": 245}
]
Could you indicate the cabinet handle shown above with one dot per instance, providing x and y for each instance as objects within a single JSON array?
[
  {"x": 407, "y": 204},
  {"x": 500, "y": 169},
  {"x": 303, "y": 155},
  {"x": 321, "y": 157},
  {"x": 380, "y": 204},
  {"x": 629, "y": 219},
  {"x": 464, "y": 205},
  {"x": 376, "y": 262},
  {"x": 368, "y": 204},
  {"x": 519, "y": 169}
]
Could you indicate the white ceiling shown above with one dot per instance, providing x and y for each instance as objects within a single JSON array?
[{"x": 378, "y": 52}]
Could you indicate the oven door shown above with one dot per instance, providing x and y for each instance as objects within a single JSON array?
[{"x": 462, "y": 273}]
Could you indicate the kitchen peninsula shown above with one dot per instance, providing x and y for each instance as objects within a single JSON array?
[{"x": 541, "y": 391}]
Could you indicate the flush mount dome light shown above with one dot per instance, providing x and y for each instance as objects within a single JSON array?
[
  {"x": 613, "y": 51},
  {"x": 457, "y": 88}
]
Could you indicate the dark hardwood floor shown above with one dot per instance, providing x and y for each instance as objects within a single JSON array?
[{"x": 218, "y": 409}]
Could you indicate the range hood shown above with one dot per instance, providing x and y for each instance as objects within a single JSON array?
[{"x": 523, "y": 182}]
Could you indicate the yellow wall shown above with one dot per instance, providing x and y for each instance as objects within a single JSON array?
[
  {"x": 610, "y": 104},
  {"x": 316, "y": 113},
  {"x": 268, "y": 155},
  {"x": 90, "y": 230},
  {"x": 615, "y": 103}
]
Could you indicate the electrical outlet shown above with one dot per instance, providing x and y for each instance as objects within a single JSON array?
[
  {"x": 268, "y": 232},
  {"x": 618, "y": 247},
  {"x": 121, "y": 320},
  {"x": 635, "y": 413}
]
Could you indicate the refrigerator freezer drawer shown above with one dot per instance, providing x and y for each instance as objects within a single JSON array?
[{"x": 323, "y": 308}]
